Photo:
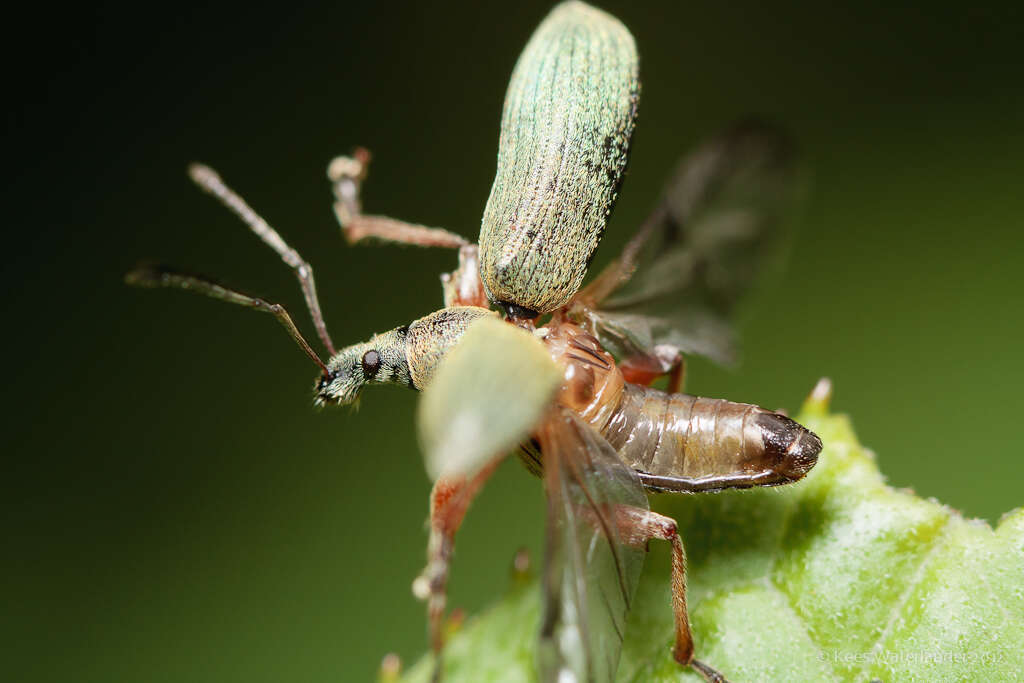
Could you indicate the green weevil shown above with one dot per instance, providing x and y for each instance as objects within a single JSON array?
[{"x": 581, "y": 417}]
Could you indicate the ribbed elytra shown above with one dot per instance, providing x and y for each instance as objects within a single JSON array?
[{"x": 568, "y": 117}]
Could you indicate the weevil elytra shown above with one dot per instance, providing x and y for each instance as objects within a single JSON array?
[
  {"x": 573, "y": 394},
  {"x": 568, "y": 118}
]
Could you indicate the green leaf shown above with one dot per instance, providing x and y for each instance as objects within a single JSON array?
[
  {"x": 837, "y": 578},
  {"x": 486, "y": 397}
]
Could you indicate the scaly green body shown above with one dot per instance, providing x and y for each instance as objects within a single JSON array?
[
  {"x": 431, "y": 338},
  {"x": 407, "y": 355},
  {"x": 565, "y": 130}
]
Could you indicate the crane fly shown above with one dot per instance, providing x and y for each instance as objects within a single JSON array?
[{"x": 523, "y": 358}]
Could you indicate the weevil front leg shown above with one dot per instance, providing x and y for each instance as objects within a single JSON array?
[
  {"x": 640, "y": 526},
  {"x": 449, "y": 501},
  {"x": 347, "y": 175}
]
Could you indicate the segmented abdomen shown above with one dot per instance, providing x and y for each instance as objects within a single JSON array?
[{"x": 683, "y": 442}]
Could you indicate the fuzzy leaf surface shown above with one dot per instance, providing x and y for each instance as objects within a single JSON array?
[{"x": 837, "y": 578}]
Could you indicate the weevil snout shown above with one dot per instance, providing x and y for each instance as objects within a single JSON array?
[
  {"x": 336, "y": 388},
  {"x": 381, "y": 360},
  {"x": 347, "y": 372}
]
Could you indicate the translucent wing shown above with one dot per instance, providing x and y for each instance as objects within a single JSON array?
[
  {"x": 591, "y": 567},
  {"x": 719, "y": 224},
  {"x": 486, "y": 397}
]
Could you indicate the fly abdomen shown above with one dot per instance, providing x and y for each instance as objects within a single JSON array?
[{"x": 679, "y": 442}]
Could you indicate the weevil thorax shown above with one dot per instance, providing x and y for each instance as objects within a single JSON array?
[
  {"x": 568, "y": 117},
  {"x": 407, "y": 355},
  {"x": 431, "y": 338}
]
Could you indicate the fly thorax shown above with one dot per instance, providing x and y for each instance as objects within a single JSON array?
[{"x": 592, "y": 384}]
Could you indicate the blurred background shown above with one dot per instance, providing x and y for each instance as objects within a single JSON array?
[{"x": 175, "y": 509}]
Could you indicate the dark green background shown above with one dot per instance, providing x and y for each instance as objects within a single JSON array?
[{"x": 176, "y": 511}]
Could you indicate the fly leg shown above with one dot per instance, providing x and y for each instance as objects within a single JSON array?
[
  {"x": 677, "y": 375},
  {"x": 639, "y": 526},
  {"x": 449, "y": 501},
  {"x": 646, "y": 368},
  {"x": 347, "y": 175}
]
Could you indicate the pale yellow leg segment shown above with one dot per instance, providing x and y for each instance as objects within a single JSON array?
[
  {"x": 347, "y": 175},
  {"x": 462, "y": 286}
]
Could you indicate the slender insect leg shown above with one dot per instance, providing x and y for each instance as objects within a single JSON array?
[
  {"x": 462, "y": 286},
  {"x": 206, "y": 178},
  {"x": 645, "y": 369},
  {"x": 677, "y": 375},
  {"x": 639, "y": 526},
  {"x": 449, "y": 502},
  {"x": 347, "y": 175}
]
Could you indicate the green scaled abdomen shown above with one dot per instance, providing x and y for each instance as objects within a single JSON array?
[{"x": 565, "y": 129}]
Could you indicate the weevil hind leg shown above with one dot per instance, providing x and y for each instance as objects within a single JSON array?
[
  {"x": 347, "y": 174},
  {"x": 449, "y": 501},
  {"x": 644, "y": 526}
]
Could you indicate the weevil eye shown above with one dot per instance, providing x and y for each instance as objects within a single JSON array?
[{"x": 371, "y": 363}]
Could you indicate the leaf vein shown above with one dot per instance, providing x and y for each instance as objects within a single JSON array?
[{"x": 937, "y": 543}]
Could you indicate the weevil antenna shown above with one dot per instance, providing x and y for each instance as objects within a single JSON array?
[
  {"x": 159, "y": 276},
  {"x": 208, "y": 179}
]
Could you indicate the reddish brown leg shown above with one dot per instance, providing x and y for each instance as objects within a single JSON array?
[
  {"x": 639, "y": 526},
  {"x": 347, "y": 175},
  {"x": 645, "y": 369},
  {"x": 448, "y": 504},
  {"x": 641, "y": 369},
  {"x": 677, "y": 375}
]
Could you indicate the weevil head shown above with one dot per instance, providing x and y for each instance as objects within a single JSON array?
[{"x": 382, "y": 360}]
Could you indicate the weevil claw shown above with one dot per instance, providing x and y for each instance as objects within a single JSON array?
[{"x": 421, "y": 587}]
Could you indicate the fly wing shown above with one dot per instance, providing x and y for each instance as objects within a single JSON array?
[
  {"x": 486, "y": 397},
  {"x": 718, "y": 226},
  {"x": 591, "y": 568}
]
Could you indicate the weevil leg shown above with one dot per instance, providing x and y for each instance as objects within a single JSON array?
[
  {"x": 463, "y": 286},
  {"x": 347, "y": 175},
  {"x": 208, "y": 179},
  {"x": 640, "y": 526},
  {"x": 449, "y": 501}
]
